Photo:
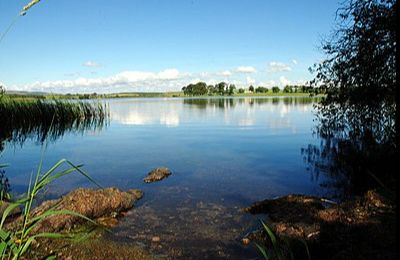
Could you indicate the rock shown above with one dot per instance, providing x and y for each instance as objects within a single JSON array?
[
  {"x": 157, "y": 174},
  {"x": 367, "y": 221},
  {"x": 245, "y": 241},
  {"x": 155, "y": 239},
  {"x": 107, "y": 221},
  {"x": 100, "y": 204}
]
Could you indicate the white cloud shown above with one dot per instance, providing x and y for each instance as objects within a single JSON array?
[
  {"x": 246, "y": 69},
  {"x": 147, "y": 81},
  {"x": 294, "y": 62},
  {"x": 250, "y": 80},
  {"x": 268, "y": 84},
  {"x": 169, "y": 79},
  {"x": 300, "y": 82},
  {"x": 278, "y": 67},
  {"x": 91, "y": 64},
  {"x": 284, "y": 81},
  {"x": 226, "y": 73}
]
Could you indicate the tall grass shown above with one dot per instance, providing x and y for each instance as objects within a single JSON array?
[
  {"x": 15, "y": 242},
  {"x": 277, "y": 248},
  {"x": 20, "y": 119}
]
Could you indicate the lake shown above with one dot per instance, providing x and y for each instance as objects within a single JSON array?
[{"x": 225, "y": 154}]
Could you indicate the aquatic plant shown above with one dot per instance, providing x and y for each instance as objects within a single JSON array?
[
  {"x": 45, "y": 119},
  {"x": 276, "y": 250},
  {"x": 16, "y": 241},
  {"x": 4, "y": 185},
  {"x": 276, "y": 247}
]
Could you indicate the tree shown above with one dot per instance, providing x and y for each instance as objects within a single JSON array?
[
  {"x": 197, "y": 89},
  {"x": 221, "y": 87},
  {"x": 288, "y": 89},
  {"x": 251, "y": 88},
  {"x": 360, "y": 68},
  {"x": 357, "y": 119},
  {"x": 211, "y": 89},
  {"x": 260, "y": 89},
  {"x": 275, "y": 89},
  {"x": 232, "y": 88},
  {"x": 241, "y": 90}
]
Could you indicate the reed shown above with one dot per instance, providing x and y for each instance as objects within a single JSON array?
[
  {"x": 20, "y": 119},
  {"x": 278, "y": 248},
  {"x": 16, "y": 242}
]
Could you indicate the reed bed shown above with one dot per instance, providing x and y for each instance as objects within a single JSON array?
[{"x": 20, "y": 119}]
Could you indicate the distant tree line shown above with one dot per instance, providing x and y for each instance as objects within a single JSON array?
[
  {"x": 201, "y": 88},
  {"x": 223, "y": 88}
]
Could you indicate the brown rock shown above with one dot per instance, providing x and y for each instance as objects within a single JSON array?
[
  {"x": 94, "y": 204},
  {"x": 157, "y": 174},
  {"x": 155, "y": 239},
  {"x": 107, "y": 221},
  {"x": 245, "y": 241}
]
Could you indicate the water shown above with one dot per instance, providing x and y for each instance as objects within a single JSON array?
[{"x": 225, "y": 154}]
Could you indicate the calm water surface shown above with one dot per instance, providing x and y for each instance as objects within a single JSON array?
[{"x": 225, "y": 153}]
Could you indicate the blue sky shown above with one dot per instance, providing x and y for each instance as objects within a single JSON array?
[{"x": 160, "y": 45}]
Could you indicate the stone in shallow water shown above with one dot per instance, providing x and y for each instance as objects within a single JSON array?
[
  {"x": 103, "y": 204},
  {"x": 157, "y": 174},
  {"x": 155, "y": 239}
]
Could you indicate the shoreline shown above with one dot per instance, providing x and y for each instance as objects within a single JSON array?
[
  {"x": 295, "y": 218},
  {"x": 28, "y": 96}
]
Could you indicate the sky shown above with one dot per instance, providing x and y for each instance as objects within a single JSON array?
[{"x": 75, "y": 46}]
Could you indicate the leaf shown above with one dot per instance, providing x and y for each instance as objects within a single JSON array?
[
  {"x": 30, "y": 4},
  {"x": 36, "y": 220},
  {"x": 3, "y": 247},
  {"x": 32, "y": 238},
  {"x": 271, "y": 234},
  {"x": 9, "y": 209},
  {"x": 263, "y": 252}
]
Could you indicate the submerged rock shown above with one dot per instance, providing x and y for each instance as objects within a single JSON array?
[
  {"x": 157, "y": 174},
  {"x": 95, "y": 204}
]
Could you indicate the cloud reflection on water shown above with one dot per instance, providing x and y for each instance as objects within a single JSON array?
[{"x": 273, "y": 113}]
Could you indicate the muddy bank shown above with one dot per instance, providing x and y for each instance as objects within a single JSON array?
[{"x": 362, "y": 228}]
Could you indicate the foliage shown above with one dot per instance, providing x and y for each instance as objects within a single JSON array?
[
  {"x": 359, "y": 72},
  {"x": 275, "y": 89},
  {"x": 4, "y": 185},
  {"x": 16, "y": 242},
  {"x": 251, "y": 88},
  {"x": 288, "y": 89},
  {"x": 261, "y": 90},
  {"x": 232, "y": 88},
  {"x": 20, "y": 118},
  {"x": 197, "y": 89},
  {"x": 357, "y": 119},
  {"x": 277, "y": 248},
  {"x": 201, "y": 89}
]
